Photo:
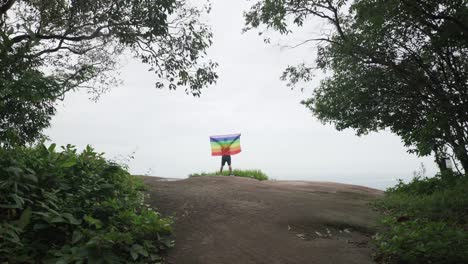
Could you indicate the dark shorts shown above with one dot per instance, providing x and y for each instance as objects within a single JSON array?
[{"x": 226, "y": 159}]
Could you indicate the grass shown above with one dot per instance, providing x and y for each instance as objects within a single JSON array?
[
  {"x": 425, "y": 221},
  {"x": 254, "y": 174}
]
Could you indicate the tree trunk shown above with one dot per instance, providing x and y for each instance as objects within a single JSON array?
[
  {"x": 462, "y": 156},
  {"x": 440, "y": 160}
]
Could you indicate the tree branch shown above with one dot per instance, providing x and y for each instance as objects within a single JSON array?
[
  {"x": 97, "y": 33},
  {"x": 336, "y": 20},
  {"x": 60, "y": 47},
  {"x": 310, "y": 40}
]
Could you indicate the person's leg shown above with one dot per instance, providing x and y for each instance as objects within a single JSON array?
[
  {"x": 223, "y": 161},
  {"x": 229, "y": 164}
]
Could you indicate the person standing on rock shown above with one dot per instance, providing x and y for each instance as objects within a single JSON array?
[
  {"x": 226, "y": 159},
  {"x": 225, "y": 146}
]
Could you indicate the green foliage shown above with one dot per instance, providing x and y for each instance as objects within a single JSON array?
[
  {"x": 419, "y": 241},
  {"x": 49, "y": 47},
  {"x": 254, "y": 174},
  {"x": 390, "y": 64},
  {"x": 26, "y": 100},
  {"x": 426, "y": 221},
  {"x": 423, "y": 185},
  {"x": 69, "y": 207}
]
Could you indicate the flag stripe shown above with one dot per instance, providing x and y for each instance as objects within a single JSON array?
[
  {"x": 219, "y": 153},
  {"x": 225, "y": 149},
  {"x": 225, "y": 136},
  {"x": 219, "y": 145},
  {"x": 222, "y": 142}
]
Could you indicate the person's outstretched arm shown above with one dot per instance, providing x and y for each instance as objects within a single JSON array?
[{"x": 234, "y": 140}]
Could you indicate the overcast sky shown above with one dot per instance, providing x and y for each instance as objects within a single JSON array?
[{"x": 168, "y": 132}]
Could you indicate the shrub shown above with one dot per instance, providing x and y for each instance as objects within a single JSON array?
[
  {"x": 69, "y": 207},
  {"x": 422, "y": 185},
  {"x": 422, "y": 241},
  {"x": 426, "y": 221},
  {"x": 254, "y": 174}
]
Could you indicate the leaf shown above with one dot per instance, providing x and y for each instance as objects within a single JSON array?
[
  {"x": 15, "y": 170},
  {"x": 77, "y": 236},
  {"x": 43, "y": 214},
  {"x": 25, "y": 218},
  {"x": 19, "y": 200},
  {"x": 30, "y": 177},
  {"x": 13, "y": 236},
  {"x": 167, "y": 242},
  {"x": 9, "y": 206},
  {"x": 135, "y": 250},
  {"x": 93, "y": 221},
  {"x": 52, "y": 147},
  {"x": 49, "y": 209},
  {"x": 107, "y": 186},
  {"x": 71, "y": 219},
  {"x": 144, "y": 253},
  {"x": 68, "y": 164},
  {"x": 134, "y": 254},
  {"x": 58, "y": 219}
]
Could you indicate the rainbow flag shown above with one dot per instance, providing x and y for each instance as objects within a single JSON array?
[{"x": 225, "y": 145}]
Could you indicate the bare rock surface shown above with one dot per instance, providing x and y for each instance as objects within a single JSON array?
[{"x": 227, "y": 220}]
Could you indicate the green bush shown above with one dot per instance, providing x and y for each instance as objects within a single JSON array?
[
  {"x": 422, "y": 241},
  {"x": 441, "y": 198},
  {"x": 254, "y": 174},
  {"x": 69, "y": 207},
  {"x": 421, "y": 185},
  {"x": 426, "y": 221}
]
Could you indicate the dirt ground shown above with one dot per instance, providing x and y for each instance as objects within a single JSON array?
[{"x": 227, "y": 220}]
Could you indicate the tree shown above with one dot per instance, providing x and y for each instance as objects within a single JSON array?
[
  {"x": 393, "y": 64},
  {"x": 50, "y": 47}
]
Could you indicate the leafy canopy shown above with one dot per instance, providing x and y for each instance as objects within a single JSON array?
[
  {"x": 392, "y": 64},
  {"x": 49, "y": 47}
]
